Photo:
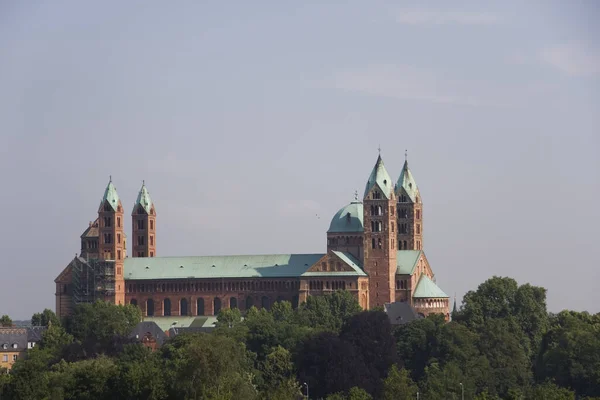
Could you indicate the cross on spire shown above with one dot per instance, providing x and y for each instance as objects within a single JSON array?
[
  {"x": 405, "y": 155},
  {"x": 110, "y": 178},
  {"x": 356, "y": 195},
  {"x": 379, "y": 149}
]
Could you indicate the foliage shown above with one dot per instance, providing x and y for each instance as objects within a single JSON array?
[
  {"x": 5, "y": 321},
  {"x": 398, "y": 385},
  {"x": 45, "y": 318},
  {"x": 328, "y": 312},
  {"x": 278, "y": 376},
  {"x": 102, "y": 321}
]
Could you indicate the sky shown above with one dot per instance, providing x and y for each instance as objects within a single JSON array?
[{"x": 252, "y": 123}]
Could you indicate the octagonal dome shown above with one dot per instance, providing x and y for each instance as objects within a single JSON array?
[{"x": 348, "y": 219}]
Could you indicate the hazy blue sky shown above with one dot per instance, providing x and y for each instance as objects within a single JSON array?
[{"x": 254, "y": 122}]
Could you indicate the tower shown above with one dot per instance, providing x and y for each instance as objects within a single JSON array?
[
  {"x": 143, "y": 220},
  {"x": 379, "y": 239},
  {"x": 410, "y": 212},
  {"x": 111, "y": 247}
]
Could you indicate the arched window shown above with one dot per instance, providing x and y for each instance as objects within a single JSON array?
[
  {"x": 216, "y": 305},
  {"x": 295, "y": 301},
  {"x": 372, "y": 210},
  {"x": 166, "y": 307},
  {"x": 249, "y": 302},
  {"x": 373, "y": 243},
  {"x": 200, "y": 306},
  {"x": 405, "y": 246},
  {"x": 265, "y": 303},
  {"x": 379, "y": 243},
  {"x": 232, "y": 302},
  {"x": 183, "y": 307},
  {"x": 150, "y": 307},
  {"x": 133, "y": 302},
  {"x": 280, "y": 299}
]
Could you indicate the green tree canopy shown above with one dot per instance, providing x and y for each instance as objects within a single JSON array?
[
  {"x": 5, "y": 321},
  {"x": 45, "y": 318}
]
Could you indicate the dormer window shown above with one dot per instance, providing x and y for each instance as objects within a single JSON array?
[
  {"x": 14, "y": 346},
  {"x": 5, "y": 346}
]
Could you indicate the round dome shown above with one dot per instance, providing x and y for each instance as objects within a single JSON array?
[{"x": 348, "y": 219}]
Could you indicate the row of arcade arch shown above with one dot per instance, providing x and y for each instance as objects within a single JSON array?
[{"x": 182, "y": 305}]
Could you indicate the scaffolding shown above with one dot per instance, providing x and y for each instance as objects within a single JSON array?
[{"x": 93, "y": 280}]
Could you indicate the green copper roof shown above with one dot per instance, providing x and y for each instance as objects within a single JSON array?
[
  {"x": 407, "y": 182},
  {"x": 348, "y": 219},
  {"x": 243, "y": 266},
  {"x": 407, "y": 261},
  {"x": 110, "y": 195},
  {"x": 427, "y": 288},
  {"x": 379, "y": 177},
  {"x": 144, "y": 199}
]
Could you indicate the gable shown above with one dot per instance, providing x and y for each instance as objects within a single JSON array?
[{"x": 336, "y": 263}]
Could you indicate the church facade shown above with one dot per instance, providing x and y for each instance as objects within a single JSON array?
[{"x": 374, "y": 251}]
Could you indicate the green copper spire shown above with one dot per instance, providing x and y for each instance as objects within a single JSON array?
[
  {"x": 379, "y": 177},
  {"x": 110, "y": 195},
  {"x": 407, "y": 182},
  {"x": 144, "y": 199}
]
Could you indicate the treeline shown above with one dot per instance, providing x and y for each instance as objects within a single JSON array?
[{"x": 501, "y": 344}]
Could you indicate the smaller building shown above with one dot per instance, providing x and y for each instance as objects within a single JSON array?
[
  {"x": 13, "y": 345},
  {"x": 401, "y": 313},
  {"x": 34, "y": 335},
  {"x": 149, "y": 334}
]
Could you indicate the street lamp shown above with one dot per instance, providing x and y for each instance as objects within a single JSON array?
[
  {"x": 306, "y": 384},
  {"x": 417, "y": 395},
  {"x": 462, "y": 388}
]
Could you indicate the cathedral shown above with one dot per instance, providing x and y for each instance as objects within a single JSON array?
[{"x": 374, "y": 251}]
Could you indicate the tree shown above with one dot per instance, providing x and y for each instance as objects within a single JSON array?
[
  {"x": 83, "y": 380},
  {"x": 329, "y": 311},
  {"x": 549, "y": 391},
  {"x": 5, "y": 321},
  {"x": 45, "y": 318},
  {"x": 102, "y": 321},
  {"x": 205, "y": 366},
  {"x": 503, "y": 298},
  {"x": 279, "y": 377},
  {"x": 357, "y": 393},
  {"x": 370, "y": 333},
  {"x": 329, "y": 365},
  {"x": 140, "y": 375},
  {"x": 570, "y": 353},
  {"x": 398, "y": 385}
]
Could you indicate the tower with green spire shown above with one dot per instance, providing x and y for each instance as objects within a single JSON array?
[
  {"x": 410, "y": 211},
  {"x": 379, "y": 205},
  {"x": 143, "y": 220},
  {"x": 111, "y": 236}
]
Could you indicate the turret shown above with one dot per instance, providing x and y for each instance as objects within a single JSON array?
[
  {"x": 379, "y": 239},
  {"x": 143, "y": 219}
]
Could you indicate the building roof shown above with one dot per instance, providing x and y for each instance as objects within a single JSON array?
[
  {"x": 427, "y": 288},
  {"x": 34, "y": 333},
  {"x": 349, "y": 260},
  {"x": 9, "y": 337},
  {"x": 111, "y": 196},
  {"x": 167, "y": 323},
  {"x": 379, "y": 177},
  {"x": 348, "y": 219},
  {"x": 240, "y": 266},
  {"x": 144, "y": 199},
  {"x": 151, "y": 327},
  {"x": 92, "y": 230},
  {"x": 400, "y": 313},
  {"x": 407, "y": 182},
  {"x": 407, "y": 261}
]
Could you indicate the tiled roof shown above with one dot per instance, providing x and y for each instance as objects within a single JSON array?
[
  {"x": 34, "y": 333},
  {"x": 153, "y": 328},
  {"x": 241, "y": 266},
  {"x": 407, "y": 182},
  {"x": 400, "y": 313},
  {"x": 9, "y": 337},
  {"x": 348, "y": 219},
  {"x": 379, "y": 177},
  {"x": 111, "y": 196},
  {"x": 144, "y": 199},
  {"x": 426, "y": 288},
  {"x": 92, "y": 230},
  {"x": 407, "y": 261}
]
